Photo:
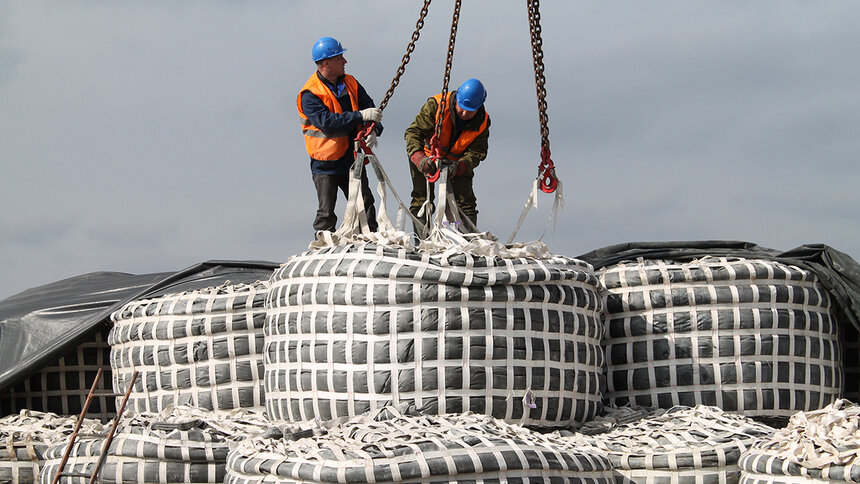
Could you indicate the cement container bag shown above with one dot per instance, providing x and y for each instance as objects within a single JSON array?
[
  {"x": 851, "y": 359},
  {"x": 393, "y": 446},
  {"x": 26, "y": 436},
  {"x": 62, "y": 386},
  {"x": 820, "y": 446},
  {"x": 181, "y": 445},
  {"x": 681, "y": 445},
  {"x": 757, "y": 337},
  {"x": 203, "y": 348},
  {"x": 356, "y": 327}
]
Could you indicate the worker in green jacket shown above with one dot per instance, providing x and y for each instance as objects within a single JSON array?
[{"x": 464, "y": 140}]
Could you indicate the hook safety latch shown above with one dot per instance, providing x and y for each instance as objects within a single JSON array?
[{"x": 364, "y": 130}]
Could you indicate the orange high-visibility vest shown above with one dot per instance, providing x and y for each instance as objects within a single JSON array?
[
  {"x": 320, "y": 145},
  {"x": 466, "y": 136}
]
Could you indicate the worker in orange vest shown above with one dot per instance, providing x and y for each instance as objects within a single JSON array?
[
  {"x": 463, "y": 140},
  {"x": 332, "y": 107}
]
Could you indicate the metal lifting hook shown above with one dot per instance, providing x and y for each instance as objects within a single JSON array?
[
  {"x": 363, "y": 131},
  {"x": 546, "y": 172},
  {"x": 436, "y": 155}
]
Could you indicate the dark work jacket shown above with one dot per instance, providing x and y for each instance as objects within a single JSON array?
[{"x": 348, "y": 121}]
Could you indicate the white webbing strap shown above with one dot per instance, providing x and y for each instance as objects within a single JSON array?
[
  {"x": 557, "y": 206},
  {"x": 443, "y": 233},
  {"x": 531, "y": 202},
  {"x": 355, "y": 226},
  {"x": 445, "y": 223},
  {"x": 380, "y": 187},
  {"x": 354, "y": 216}
]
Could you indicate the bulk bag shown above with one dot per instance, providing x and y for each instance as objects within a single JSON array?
[
  {"x": 62, "y": 387},
  {"x": 681, "y": 445},
  {"x": 26, "y": 436},
  {"x": 353, "y": 328},
  {"x": 851, "y": 362},
  {"x": 181, "y": 445},
  {"x": 820, "y": 446},
  {"x": 203, "y": 348},
  {"x": 390, "y": 446},
  {"x": 756, "y": 337}
]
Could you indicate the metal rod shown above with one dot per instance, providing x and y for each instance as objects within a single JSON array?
[
  {"x": 77, "y": 428},
  {"x": 109, "y": 439}
]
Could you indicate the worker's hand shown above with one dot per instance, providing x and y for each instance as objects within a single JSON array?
[
  {"x": 370, "y": 139},
  {"x": 455, "y": 168},
  {"x": 371, "y": 114},
  {"x": 427, "y": 166}
]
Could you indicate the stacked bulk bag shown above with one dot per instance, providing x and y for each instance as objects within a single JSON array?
[
  {"x": 851, "y": 361},
  {"x": 681, "y": 445},
  {"x": 757, "y": 337},
  {"x": 203, "y": 348},
  {"x": 181, "y": 445},
  {"x": 393, "y": 446},
  {"x": 26, "y": 436},
  {"x": 62, "y": 387},
  {"x": 815, "y": 447},
  {"x": 353, "y": 328}
]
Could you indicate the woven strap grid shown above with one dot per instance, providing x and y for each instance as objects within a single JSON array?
[
  {"x": 202, "y": 347},
  {"x": 752, "y": 336},
  {"x": 681, "y": 445},
  {"x": 851, "y": 361},
  {"x": 142, "y": 452},
  {"x": 355, "y": 328},
  {"x": 25, "y": 437},
  {"x": 818, "y": 445},
  {"x": 390, "y": 446},
  {"x": 62, "y": 387}
]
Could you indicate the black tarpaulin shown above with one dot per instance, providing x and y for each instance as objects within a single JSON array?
[
  {"x": 837, "y": 271},
  {"x": 40, "y": 324}
]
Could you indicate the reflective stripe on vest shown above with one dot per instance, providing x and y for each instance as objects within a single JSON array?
[
  {"x": 321, "y": 145},
  {"x": 466, "y": 136}
]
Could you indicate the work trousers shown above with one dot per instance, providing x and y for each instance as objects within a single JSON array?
[
  {"x": 461, "y": 185},
  {"x": 327, "y": 187}
]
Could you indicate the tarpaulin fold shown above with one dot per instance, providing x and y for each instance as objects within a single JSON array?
[{"x": 41, "y": 324}]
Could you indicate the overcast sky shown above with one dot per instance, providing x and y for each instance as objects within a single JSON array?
[{"x": 149, "y": 136}]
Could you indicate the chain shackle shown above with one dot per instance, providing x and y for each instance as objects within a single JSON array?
[{"x": 546, "y": 172}]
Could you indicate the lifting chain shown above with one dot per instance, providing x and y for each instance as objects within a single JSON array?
[
  {"x": 546, "y": 169},
  {"x": 436, "y": 152},
  {"x": 409, "y": 49},
  {"x": 449, "y": 61},
  {"x": 366, "y": 128}
]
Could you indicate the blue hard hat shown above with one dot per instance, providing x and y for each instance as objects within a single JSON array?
[
  {"x": 326, "y": 47},
  {"x": 471, "y": 95}
]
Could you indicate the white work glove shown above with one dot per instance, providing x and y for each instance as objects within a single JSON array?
[
  {"x": 371, "y": 114},
  {"x": 370, "y": 139}
]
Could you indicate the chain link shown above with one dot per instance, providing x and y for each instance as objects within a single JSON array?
[
  {"x": 409, "y": 49},
  {"x": 540, "y": 80},
  {"x": 449, "y": 61}
]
